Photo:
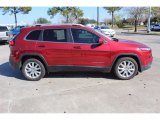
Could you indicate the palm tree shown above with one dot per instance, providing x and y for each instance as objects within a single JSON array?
[
  {"x": 70, "y": 13},
  {"x": 15, "y": 11},
  {"x": 112, "y": 10}
]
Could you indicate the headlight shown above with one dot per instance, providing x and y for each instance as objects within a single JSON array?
[{"x": 145, "y": 49}]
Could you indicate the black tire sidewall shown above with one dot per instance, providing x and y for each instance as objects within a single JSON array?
[
  {"x": 38, "y": 62},
  {"x": 117, "y": 64}
]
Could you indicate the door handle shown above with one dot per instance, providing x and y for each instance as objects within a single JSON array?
[
  {"x": 77, "y": 47},
  {"x": 41, "y": 46}
]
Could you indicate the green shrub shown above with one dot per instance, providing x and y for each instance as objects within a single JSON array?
[{"x": 119, "y": 24}]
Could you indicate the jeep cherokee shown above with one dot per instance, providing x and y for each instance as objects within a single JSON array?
[{"x": 38, "y": 50}]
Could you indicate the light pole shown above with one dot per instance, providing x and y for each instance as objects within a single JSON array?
[
  {"x": 97, "y": 16},
  {"x": 149, "y": 17}
]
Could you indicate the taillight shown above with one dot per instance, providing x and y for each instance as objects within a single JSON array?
[{"x": 11, "y": 42}]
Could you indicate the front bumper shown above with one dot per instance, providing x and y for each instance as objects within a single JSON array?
[
  {"x": 145, "y": 67},
  {"x": 4, "y": 38}
]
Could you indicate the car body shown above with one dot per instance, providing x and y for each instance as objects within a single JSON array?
[
  {"x": 15, "y": 31},
  {"x": 155, "y": 27},
  {"x": 90, "y": 25},
  {"x": 4, "y": 34},
  {"x": 43, "y": 49},
  {"x": 106, "y": 30}
]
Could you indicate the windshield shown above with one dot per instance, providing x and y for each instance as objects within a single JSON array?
[
  {"x": 3, "y": 28},
  {"x": 102, "y": 33},
  {"x": 104, "y": 27}
]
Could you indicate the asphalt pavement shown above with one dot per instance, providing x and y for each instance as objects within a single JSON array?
[{"x": 82, "y": 92}]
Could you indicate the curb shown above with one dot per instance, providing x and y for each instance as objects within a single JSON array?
[{"x": 141, "y": 33}]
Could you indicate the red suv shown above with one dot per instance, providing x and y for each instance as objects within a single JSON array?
[{"x": 38, "y": 50}]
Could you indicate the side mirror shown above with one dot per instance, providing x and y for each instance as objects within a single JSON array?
[
  {"x": 101, "y": 41},
  {"x": 98, "y": 44}
]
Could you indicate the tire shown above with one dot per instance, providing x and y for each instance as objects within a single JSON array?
[
  {"x": 33, "y": 69},
  {"x": 125, "y": 71}
]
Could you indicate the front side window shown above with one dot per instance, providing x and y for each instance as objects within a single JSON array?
[
  {"x": 34, "y": 35},
  {"x": 84, "y": 36},
  {"x": 55, "y": 35}
]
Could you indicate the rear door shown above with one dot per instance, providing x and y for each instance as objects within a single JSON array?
[
  {"x": 85, "y": 49},
  {"x": 56, "y": 46}
]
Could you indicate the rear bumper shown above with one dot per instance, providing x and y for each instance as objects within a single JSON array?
[{"x": 13, "y": 63}]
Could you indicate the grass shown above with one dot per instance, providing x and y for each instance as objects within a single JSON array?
[
  {"x": 143, "y": 33},
  {"x": 131, "y": 27}
]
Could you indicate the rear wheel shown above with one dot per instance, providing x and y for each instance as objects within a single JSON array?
[
  {"x": 33, "y": 69},
  {"x": 125, "y": 68}
]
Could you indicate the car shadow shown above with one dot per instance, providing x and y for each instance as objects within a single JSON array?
[
  {"x": 8, "y": 71},
  {"x": 81, "y": 75}
]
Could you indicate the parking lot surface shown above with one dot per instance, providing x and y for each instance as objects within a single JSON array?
[{"x": 82, "y": 92}]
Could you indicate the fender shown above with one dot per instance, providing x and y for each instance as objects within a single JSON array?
[
  {"x": 128, "y": 54},
  {"x": 36, "y": 55}
]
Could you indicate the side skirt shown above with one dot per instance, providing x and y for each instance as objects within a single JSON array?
[{"x": 78, "y": 68}]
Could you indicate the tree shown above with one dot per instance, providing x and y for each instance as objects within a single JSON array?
[
  {"x": 71, "y": 14},
  {"x": 42, "y": 21},
  {"x": 130, "y": 21},
  {"x": 15, "y": 10},
  {"x": 156, "y": 11},
  {"x": 137, "y": 13},
  {"x": 112, "y": 10},
  {"x": 85, "y": 21},
  {"x": 155, "y": 14}
]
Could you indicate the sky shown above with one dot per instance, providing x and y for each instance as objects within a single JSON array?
[{"x": 37, "y": 12}]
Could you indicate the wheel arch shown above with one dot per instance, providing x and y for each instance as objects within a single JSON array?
[
  {"x": 39, "y": 57},
  {"x": 134, "y": 56}
]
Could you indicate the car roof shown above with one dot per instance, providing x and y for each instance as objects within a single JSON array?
[
  {"x": 39, "y": 26},
  {"x": 3, "y": 26}
]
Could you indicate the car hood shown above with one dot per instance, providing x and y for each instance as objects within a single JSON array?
[{"x": 130, "y": 42}]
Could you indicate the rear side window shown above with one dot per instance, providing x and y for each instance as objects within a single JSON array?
[
  {"x": 3, "y": 28},
  {"x": 55, "y": 35},
  {"x": 34, "y": 35}
]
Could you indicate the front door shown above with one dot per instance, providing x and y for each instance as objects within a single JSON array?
[{"x": 85, "y": 51}]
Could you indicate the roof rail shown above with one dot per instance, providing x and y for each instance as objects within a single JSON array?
[{"x": 70, "y": 24}]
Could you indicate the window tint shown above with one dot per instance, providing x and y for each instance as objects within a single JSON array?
[
  {"x": 3, "y": 28},
  {"x": 55, "y": 35},
  {"x": 104, "y": 27},
  {"x": 84, "y": 36},
  {"x": 34, "y": 35}
]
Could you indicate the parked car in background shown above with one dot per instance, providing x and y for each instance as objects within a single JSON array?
[
  {"x": 106, "y": 30},
  {"x": 39, "y": 50},
  {"x": 90, "y": 25},
  {"x": 155, "y": 27},
  {"x": 4, "y": 37},
  {"x": 15, "y": 31}
]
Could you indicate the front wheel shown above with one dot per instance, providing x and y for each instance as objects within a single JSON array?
[
  {"x": 125, "y": 68},
  {"x": 33, "y": 69}
]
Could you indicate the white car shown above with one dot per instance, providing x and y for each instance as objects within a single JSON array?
[
  {"x": 106, "y": 30},
  {"x": 4, "y": 34},
  {"x": 156, "y": 27}
]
